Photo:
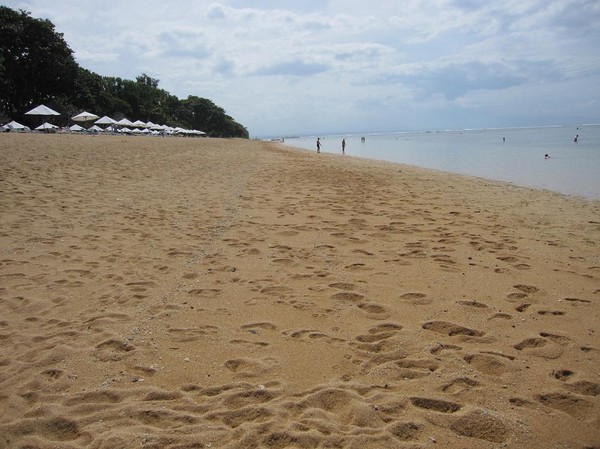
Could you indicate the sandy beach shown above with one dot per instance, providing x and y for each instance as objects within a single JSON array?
[{"x": 203, "y": 293}]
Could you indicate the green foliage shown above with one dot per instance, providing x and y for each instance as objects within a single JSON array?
[{"x": 37, "y": 66}]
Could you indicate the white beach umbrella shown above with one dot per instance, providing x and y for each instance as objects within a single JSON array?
[
  {"x": 76, "y": 128},
  {"x": 96, "y": 128},
  {"x": 139, "y": 124},
  {"x": 124, "y": 122},
  {"x": 106, "y": 120},
  {"x": 14, "y": 125},
  {"x": 42, "y": 110},
  {"x": 46, "y": 125},
  {"x": 84, "y": 117}
]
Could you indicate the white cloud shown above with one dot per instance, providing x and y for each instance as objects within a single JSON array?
[{"x": 306, "y": 66}]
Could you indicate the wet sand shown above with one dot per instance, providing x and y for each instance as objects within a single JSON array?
[{"x": 194, "y": 293}]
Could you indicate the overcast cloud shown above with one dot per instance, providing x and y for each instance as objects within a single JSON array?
[{"x": 284, "y": 67}]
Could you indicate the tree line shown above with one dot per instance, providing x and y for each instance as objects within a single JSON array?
[{"x": 37, "y": 67}]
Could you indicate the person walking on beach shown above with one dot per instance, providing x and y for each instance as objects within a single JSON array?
[
  {"x": 576, "y": 137},
  {"x": 318, "y": 144},
  {"x": 343, "y": 146}
]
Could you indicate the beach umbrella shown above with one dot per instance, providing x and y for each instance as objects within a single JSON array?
[
  {"x": 15, "y": 125},
  {"x": 96, "y": 128},
  {"x": 76, "y": 128},
  {"x": 45, "y": 126},
  {"x": 124, "y": 122},
  {"x": 139, "y": 124},
  {"x": 84, "y": 117},
  {"x": 42, "y": 110},
  {"x": 106, "y": 120}
]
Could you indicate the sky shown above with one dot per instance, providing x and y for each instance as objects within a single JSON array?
[{"x": 310, "y": 67}]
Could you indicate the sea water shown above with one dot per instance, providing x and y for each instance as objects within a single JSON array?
[{"x": 515, "y": 155}]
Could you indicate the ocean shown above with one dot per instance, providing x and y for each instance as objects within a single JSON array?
[{"x": 515, "y": 155}]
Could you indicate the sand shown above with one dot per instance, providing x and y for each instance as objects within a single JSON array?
[{"x": 204, "y": 293}]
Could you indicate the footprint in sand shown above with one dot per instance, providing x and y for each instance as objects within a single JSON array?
[
  {"x": 568, "y": 403},
  {"x": 385, "y": 327},
  {"x": 206, "y": 292},
  {"x": 406, "y": 431},
  {"x": 380, "y": 332},
  {"x": 558, "y": 339},
  {"x": 416, "y": 298},
  {"x": 249, "y": 344},
  {"x": 255, "y": 327},
  {"x": 343, "y": 286},
  {"x": 374, "y": 310},
  {"x": 246, "y": 367},
  {"x": 539, "y": 347},
  {"x": 528, "y": 289},
  {"x": 551, "y": 312},
  {"x": 480, "y": 424},
  {"x": 475, "y": 304},
  {"x": 310, "y": 334},
  {"x": 276, "y": 290},
  {"x": 516, "y": 296},
  {"x": 414, "y": 368},
  {"x": 347, "y": 296},
  {"x": 562, "y": 374},
  {"x": 112, "y": 350},
  {"x": 375, "y": 337},
  {"x": 283, "y": 262},
  {"x": 356, "y": 267},
  {"x": 182, "y": 335},
  {"x": 362, "y": 252},
  {"x": 522, "y": 308},
  {"x": 451, "y": 329},
  {"x": 575, "y": 301},
  {"x": 583, "y": 387},
  {"x": 436, "y": 405},
  {"x": 486, "y": 364},
  {"x": 440, "y": 347},
  {"x": 459, "y": 385}
]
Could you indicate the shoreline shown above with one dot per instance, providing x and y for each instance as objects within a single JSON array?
[
  {"x": 489, "y": 154},
  {"x": 228, "y": 293},
  {"x": 445, "y": 172}
]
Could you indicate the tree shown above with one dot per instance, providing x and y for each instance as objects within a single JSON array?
[
  {"x": 37, "y": 65},
  {"x": 203, "y": 114}
]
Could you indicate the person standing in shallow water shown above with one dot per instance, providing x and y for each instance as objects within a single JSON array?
[
  {"x": 343, "y": 146},
  {"x": 318, "y": 144}
]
